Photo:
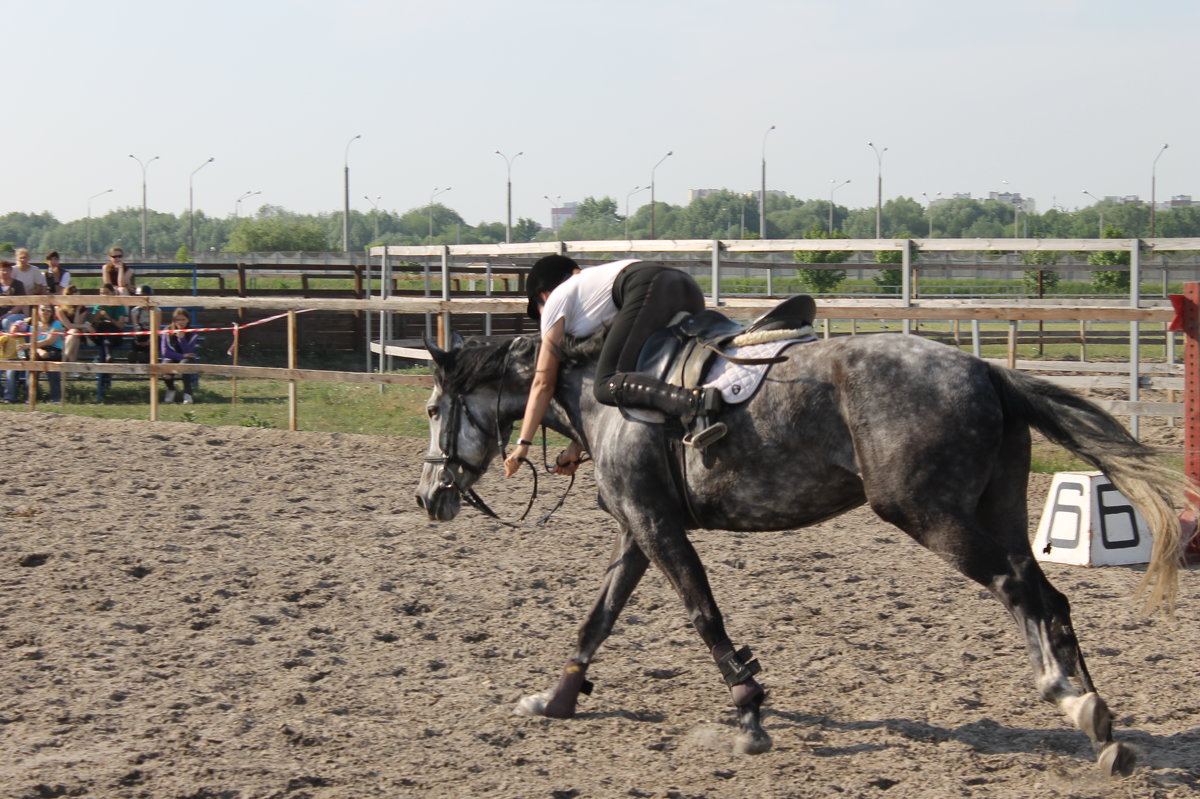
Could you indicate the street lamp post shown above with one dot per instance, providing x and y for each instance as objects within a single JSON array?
[
  {"x": 762, "y": 194},
  {"x": 929, "y": 210},
  {"x": 346, "y": 196},
  {"x": 374, "y": 213},
  {"x": 1016, "y": 210},
  {"x": 1154, "y": 190},
  {"x": 192, "y": 209},
  {"x": 88, "y": 226},
  {"x": 832, "y": 189},
  {"x": 632, "y": 192},
  {"x": 552, "y": 200},
  {"x": 878, "y": 189},
  {"x": 508, "y": 162},
  {"x": 144, "y": 167},
  {"x": 237, "y": 206},
  {"x": 1099, "y": 207},
  {"x": 436, "y": 191},
  {"x": 664, "y": 158}
]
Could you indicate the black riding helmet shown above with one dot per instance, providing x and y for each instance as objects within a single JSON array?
[{"x": 546, "y": 275}]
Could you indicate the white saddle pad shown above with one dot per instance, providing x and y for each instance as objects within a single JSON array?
[{"x": 737, "y": 382}]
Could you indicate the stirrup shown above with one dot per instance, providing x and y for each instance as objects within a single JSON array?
[{"x": 709, "y": 435}]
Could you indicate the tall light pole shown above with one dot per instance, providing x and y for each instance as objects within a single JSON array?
[
  {"x": 144, "y": 166},
  {"x": 1016, "y": 210},
  {"x": 1154, "y": 189},
  {"x": 192, "y": 209},
  {"x": 508, "y": 162},
  {"x": 832, "y": 189},
  {"x": 762, "y": 194},
  {"x": 436, "y": 192},
  {"x": 664, "y": 158},
  {"x": 878, "y": 189},
  {"x": 632, "y": 192},
  {"x": 88, "y": 226},
  {"x": 237, "y": 206},
  {"x": 929, "y": 210},
  {"x": 1099, "y": 207},
  {"x": 374, "y": 212},
  {"x": 346, "y": 196},
  {"x": 552, "y": 201}
]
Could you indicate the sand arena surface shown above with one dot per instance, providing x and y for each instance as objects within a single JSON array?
[{"x": 202, "y": 612}]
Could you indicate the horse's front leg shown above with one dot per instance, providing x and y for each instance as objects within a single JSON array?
[
  {"x": 672, "y": 552},
  {"x": 625, "y": 570}
]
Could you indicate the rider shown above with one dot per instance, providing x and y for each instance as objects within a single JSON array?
[{"x": 637, "y": 298}]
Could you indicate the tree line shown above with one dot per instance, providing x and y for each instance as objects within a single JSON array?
[{"x": 722, "y": 214}]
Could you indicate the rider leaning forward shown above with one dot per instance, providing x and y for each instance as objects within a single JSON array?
[{"x": 637, "y": 298}]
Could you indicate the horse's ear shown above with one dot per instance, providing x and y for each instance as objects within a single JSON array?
[{"x": 440, "y": 355}]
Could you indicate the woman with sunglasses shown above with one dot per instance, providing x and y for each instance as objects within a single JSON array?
[{"x": 118, "y": 273}]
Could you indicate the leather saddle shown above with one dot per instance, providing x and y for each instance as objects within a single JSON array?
[{"x": 681, "y": 353}]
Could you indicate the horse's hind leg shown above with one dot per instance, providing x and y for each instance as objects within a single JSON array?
[
  {"x": 625, "y": 570},
  {"x": 1004, "y": 564}
]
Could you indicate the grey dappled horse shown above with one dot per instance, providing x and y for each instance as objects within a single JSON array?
[{"x": 936, "y": 441}]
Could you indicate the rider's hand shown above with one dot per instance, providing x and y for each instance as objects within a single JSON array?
[
  {"x": 568, "y": 460},
  {"x": 512, "y": 464}
]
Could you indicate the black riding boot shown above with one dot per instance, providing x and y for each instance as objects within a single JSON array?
[{"x": 636, "y": 390}]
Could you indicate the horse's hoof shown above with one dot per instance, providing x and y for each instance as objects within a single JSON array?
[
  {"x": 750, "y": 744},
  {"x": 1092, "y": 716},
  {"x": 533, "y": 705},
  {"x": 1117, "y": 759}
]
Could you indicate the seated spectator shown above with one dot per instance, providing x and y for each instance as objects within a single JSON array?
[
  {"x": 28, "y": 275},
  {"x": 179, "y": 345},
  {"x": 76, "y": 323},
  {"x": 48, "y": 346},
  {"x": 108, "y": 319},
  {"x": 118, "y": 273},
  {"x": 57, "y": 278},
  {"x": 139, "y": 317},
  {"x": 10, "y": 287},
  {"x": 10, "y": 345}
]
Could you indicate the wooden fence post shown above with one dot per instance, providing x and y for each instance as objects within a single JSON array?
[
  {"x": 154, "y": 343},
  {"x": 291, "y": 333}
]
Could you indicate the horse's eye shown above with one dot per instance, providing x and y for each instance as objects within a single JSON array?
[{"x": 432, "y": 411}]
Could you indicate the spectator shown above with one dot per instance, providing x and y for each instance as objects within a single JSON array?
[
  {"x": 9, "y": 346},
  {"x": 178, "y": 346},
  {"x": 139, "y": 317},
  {"x": 29, "y": 276},
  {"x": 108, "y": 319},
  {"x": 76, "y": 322},
  {"x": 48, "y": 346},
  {"x": 10, "y": 287},
  {"x": 57, "y": 278},
  {"x": 117, "y": 273}
]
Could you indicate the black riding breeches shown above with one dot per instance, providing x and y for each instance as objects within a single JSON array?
[{"x": 648, "y": 296}]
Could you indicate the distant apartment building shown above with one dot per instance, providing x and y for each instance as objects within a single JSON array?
[
  {"x": 560, "y": 214},
  {"x": 1014, "y": 199}
]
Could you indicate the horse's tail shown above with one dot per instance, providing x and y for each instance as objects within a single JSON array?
[{"x": 1134, "y": 468}]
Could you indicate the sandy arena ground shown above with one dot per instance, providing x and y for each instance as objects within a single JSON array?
[{"x": 224, "y": 613}]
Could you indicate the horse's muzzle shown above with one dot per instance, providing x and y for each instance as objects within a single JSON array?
[{"x": 438, "y": 495}]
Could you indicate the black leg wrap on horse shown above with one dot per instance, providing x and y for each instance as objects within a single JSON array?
[
  {"x": 738, "y": 669},
  {"x": 570, "y": 686}
]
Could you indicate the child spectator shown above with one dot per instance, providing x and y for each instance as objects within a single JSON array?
[
  {"x": 139, "y": 345},
  {"x": 57, "y": 278},
  {"x": 75, "y": 321},
  {"x": 48, "y": 346},
  {"x": 9, "y": 346},
  {"x": 179, "y": 346}
]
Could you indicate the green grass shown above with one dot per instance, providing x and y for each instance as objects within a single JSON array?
[{"x": 327, "y": 407}]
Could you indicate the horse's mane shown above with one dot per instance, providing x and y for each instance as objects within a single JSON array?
[{"x": 479, "y": 360}]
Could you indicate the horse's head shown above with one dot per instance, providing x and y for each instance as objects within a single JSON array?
[{"x": 479, "y": 390}]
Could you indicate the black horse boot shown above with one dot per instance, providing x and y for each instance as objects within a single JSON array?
[{"x": 636, "y": 390}]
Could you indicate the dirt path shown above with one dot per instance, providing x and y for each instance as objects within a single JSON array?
[{"x": 204, "y": 612}]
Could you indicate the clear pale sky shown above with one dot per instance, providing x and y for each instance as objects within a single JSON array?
[{"x": 1053, "y": 96}]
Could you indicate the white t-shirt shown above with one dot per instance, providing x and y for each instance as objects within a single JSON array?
[
  {"x": 584, "y": 300},
  {"x": 31, "y": 277}
]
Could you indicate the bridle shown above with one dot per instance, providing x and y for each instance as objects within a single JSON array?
[{"x": 453, "y": 465}]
